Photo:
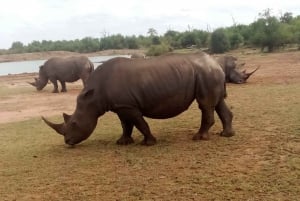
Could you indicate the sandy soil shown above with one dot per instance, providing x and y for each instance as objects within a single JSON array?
[
  {"x": 31, "y": 103},
  {"x": 281, "y": 68}
]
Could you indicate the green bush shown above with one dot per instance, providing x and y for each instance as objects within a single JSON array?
[
  {"x": 156, "y": 50},
  {"x": 219, "y": 42}
]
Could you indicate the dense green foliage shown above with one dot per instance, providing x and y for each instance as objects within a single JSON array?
[
  {"x": 156, "y": 50},
  {"x": 219, "y": 41},
  {"x": 268, "y": 32}
]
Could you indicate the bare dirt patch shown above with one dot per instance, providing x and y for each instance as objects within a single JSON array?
[
  {"x": 280, "y": 68},
  {"x": 27, "y": 103}
]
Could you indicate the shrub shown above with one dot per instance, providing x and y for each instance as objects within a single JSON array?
[
  {"x": 156, "y": 50},
  {"x": 219, "y": 42}
]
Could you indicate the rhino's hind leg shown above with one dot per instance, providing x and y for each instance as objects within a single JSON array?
[
  {"x": 135, "y": 118},
  {"x": 207, "y": 121},
  {"x": 143, "y": 127},
  {"x": 63, "y": 86},
  {"x": 126, "y": 138},
  {"x": 226, "y": 117}
]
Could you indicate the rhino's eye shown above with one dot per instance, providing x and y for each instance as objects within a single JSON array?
[{"x": 73, "y": 124}]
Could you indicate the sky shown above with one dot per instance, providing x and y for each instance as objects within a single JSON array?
[{"x": 30, "y": 20}]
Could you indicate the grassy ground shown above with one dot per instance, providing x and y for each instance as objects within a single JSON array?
[{"x": 260, "y": 163}]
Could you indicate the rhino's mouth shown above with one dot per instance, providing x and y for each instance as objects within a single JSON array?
[{"x": 70, "y": 144}]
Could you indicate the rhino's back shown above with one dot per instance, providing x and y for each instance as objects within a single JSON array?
[
  {"x": 160, "y": 87},
  {"x": 67, "y": 69}
]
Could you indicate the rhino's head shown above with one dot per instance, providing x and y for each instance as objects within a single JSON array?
[
  {"x": 40, "y": 82},
  {"x": 239, "y": 77},
  {"x": 80, "y": 125},
  {"x": 233, "y": 74}
]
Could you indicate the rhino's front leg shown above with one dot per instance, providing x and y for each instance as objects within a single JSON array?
[
  {"x": 54, "y": 82},
  {"x": 126, "y": 138},
  {"x": 135, "y": 117}
]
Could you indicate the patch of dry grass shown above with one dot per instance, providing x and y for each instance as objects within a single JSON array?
[{"x": 260, "y": 163}]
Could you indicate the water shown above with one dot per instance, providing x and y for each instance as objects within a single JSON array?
[{"x": 18, "y": 67}]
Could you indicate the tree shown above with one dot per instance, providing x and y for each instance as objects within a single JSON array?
[
  {"x": 201, "y": 38},
  {"x": 219, "y": 42},
  {"x": 156, "y": 50},
  {"x": 34, "y": 46},
  {"x": 245, "y": 32},
  {"x": 17, "y": 47},
  {"x": 234, "y": 36},
  {"x": 266, "y": 31},
  {"x": 187, "y": 39},
  {"x": 105, "y": 43},
  {"x": 131, "y": 42},
  {"x": 144, "y": 41},
  {"x": 89, "y": 44},
  {"x": 295, "y": 29},
  {"x": 172, "y": 38},
  {"x": 287, "y": 17},
  {"x": 152, "y": 32}
]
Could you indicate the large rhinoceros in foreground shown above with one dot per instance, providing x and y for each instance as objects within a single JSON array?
[
  {"x": 63, "y": 69},
  {"x": 158, "y": 88},
  {"x": 233, "y": 75}
]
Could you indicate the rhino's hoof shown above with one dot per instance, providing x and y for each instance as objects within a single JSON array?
[
  {"x": 227, "y": 133},
  {"x": 125, "y": 141},
  {"x": 203, "y": 136},
  {"x": 149, "y": 142}
]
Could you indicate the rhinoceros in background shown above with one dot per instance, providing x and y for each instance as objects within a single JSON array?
[
  {"x": 160, "y": 87},
  {"x": 233, "y": 75},
  {"x": 63, "y": 69}
]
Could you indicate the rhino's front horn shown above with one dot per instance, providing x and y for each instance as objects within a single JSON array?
[
  {"x": 59, "y": 128},
  {"x": 32, "y": 83},
  {"x": 247, "y": 75}
]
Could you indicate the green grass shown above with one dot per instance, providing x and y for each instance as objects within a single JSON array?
[{"x": 260, "y": 163}]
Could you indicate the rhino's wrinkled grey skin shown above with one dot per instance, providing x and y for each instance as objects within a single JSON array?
[
  {"x": 63, "y": 69},
  {"x": 232, "y": 73},
  {"x": 159, "y": 88}
]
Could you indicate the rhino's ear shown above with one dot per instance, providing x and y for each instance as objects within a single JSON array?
[
  {"x": 66, "y": 117},
  {"x": 41, "y": 67}
]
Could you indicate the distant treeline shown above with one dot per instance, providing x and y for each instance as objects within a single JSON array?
[{"x": 268, "y": 32}]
